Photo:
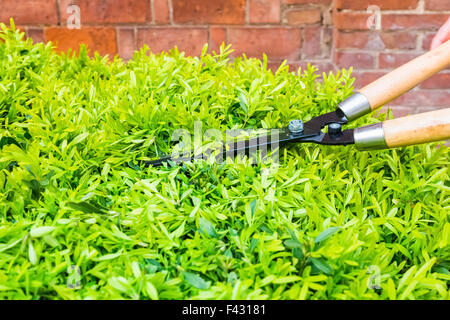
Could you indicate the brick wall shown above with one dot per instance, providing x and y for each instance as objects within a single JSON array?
[{"x": 373, "y": 36}]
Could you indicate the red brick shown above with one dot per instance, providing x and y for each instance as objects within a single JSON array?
[
  {"x": 307, "y": 1},
  {"x": 189, "y": 40},
  {"x": 217, "y": 36},
  {"x": 376, "y": 41},
  {"x": 352, "y": 39},
  {"x": 29, "y": 12},
  {"x": 209, "y": 11},
  {"x": 423, "y": 98},
  {"x": 98, "y": 39},
  {"x": 327, "y": 41},
  {"x": 394, "y": 60},
  {"x": 399, "y": 40},
  {"x": 264, "y": 11},
  {"x": 412, "y": 21},
  {"x": 108, "y": 11},
  {"x": 437, "y": 5},
  {"x": 357, "y": 60},
  {"x": 37, "y": 34},
  {"x": 126, "y": 42},
  {"x": 363, "y": 78},
  {"x": 382, "y": 4},
  {"x": 426, "y": 42},
  {"x": 277, "y": 43},
  {"x": 438, "y": 81},
  {"x": 303, "y": 16},
  {"x": 312, "y": 43},
  {"x": 350, "y": 20},
  {"x": 161, "y": 11},
  {"x": 322, "y": 66}
]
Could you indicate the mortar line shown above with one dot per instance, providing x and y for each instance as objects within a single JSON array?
[
  {"x": 58, "y": 13},
  {"x": 170, "y": 5},
  {"x": 247, "y": 12},
  {"x": 152, "y": 8}
]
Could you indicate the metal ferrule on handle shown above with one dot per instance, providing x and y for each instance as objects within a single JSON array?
[
  {"x": 415, "y": 129},
  {"x": 355, "y": 106},
  {"x": 370, "y": 137}
]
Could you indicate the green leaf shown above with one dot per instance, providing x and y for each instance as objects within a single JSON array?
[
  {"x": 442, "y": 270},
  {"x": 86, "y": 207},
  {"x": 122, "y": 284},
  {"x": 321, "y": 265},
  {"x": 195, "y": 280},
  {"x": 151, "y": 290},
  {"x": 207, "y": 228},
  {"x": 253, "y": 207},
  {"x": 326, "y": 234},
  {"x": 4, "y": 141},
  {"x": 79, "y": 138},
  {"x": 32, "y": 253},
  {"x": 292, "y": 244},
  {"x": 110, "y": 256},
  {"x": 132, "y": 79},
  {"x": 287, "y": 279},
  {"x": 11, "y": 244},
  {"x": 37, "y": 232},
  {"x": 243, "y": 102},
  {"x": 298, "y": 253}
]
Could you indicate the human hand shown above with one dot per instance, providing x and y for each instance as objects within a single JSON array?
[{"x": 442, "y": 35}]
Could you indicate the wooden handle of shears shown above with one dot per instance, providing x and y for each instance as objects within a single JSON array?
[
  {"x": 419, "y": 128},
  {"x": 395, "y": 83},
  {"x": 407, "y": 76}
]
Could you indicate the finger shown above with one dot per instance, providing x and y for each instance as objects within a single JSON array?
[
  {"x": 442, "y": 35},
  {"x": 437, "y": 40}
]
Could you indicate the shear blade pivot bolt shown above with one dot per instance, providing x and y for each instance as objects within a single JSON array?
[
  {"x": 334, "y": 128},
  {"x": 296, "y": 126}
]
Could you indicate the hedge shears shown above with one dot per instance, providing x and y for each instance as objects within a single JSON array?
[{"x": 415, "y": 129}]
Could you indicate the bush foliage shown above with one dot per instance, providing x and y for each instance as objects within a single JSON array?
[{"x": 330, "y": 223}]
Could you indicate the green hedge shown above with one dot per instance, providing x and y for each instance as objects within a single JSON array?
[{"x": 330, "y": 223}]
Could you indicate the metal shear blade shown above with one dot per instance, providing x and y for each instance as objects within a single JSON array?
[{"x": 311, "y": 132}]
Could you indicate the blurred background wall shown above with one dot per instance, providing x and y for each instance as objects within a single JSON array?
[{"x": 373, "y": 36}]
